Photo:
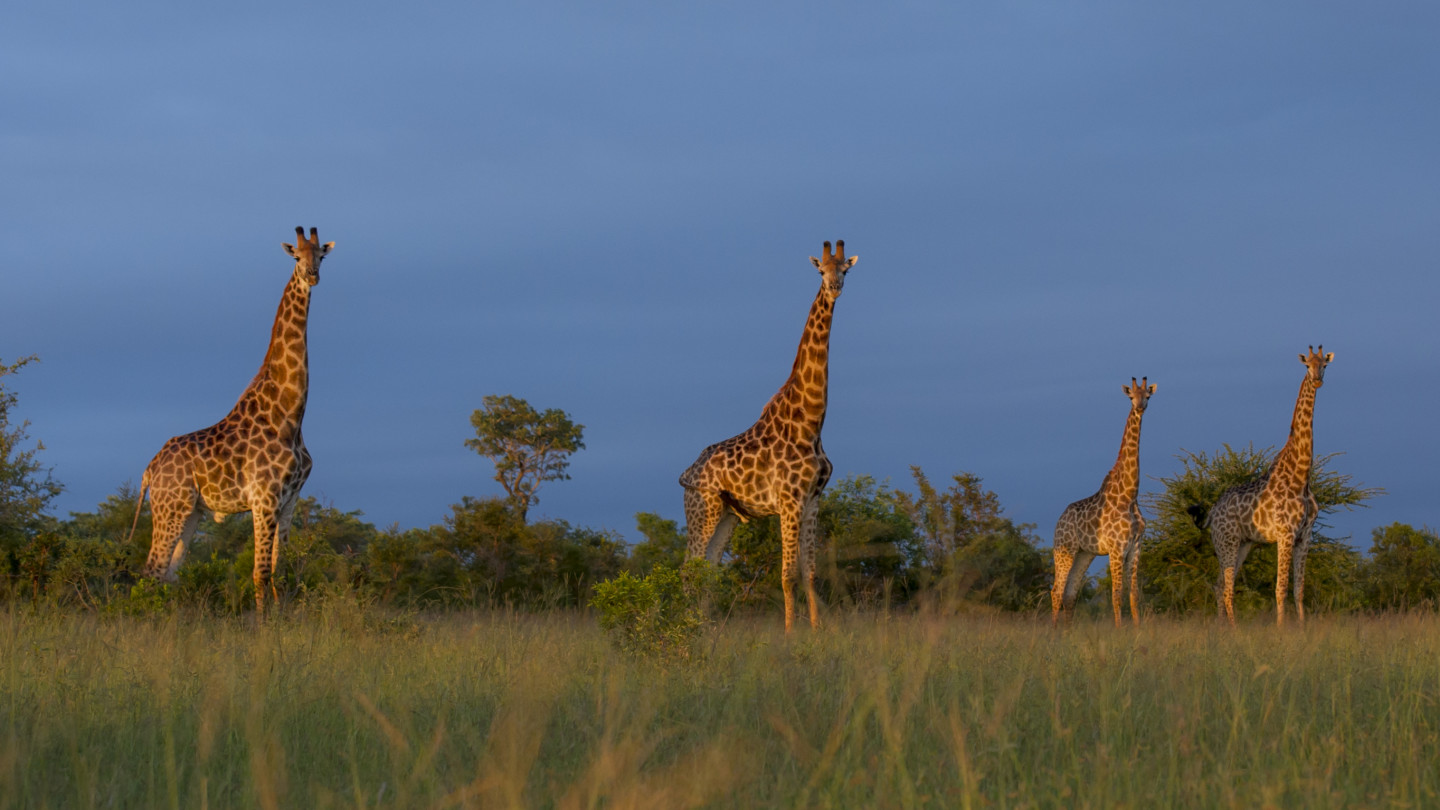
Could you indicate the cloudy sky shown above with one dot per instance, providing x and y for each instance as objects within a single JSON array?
[{"x": 608, "y": 208}]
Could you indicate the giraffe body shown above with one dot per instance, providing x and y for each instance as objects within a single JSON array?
[
  {"x": 1107, "y": 523},
  {"x": 254, "y": 460},
  {"x": 1277, "y": 507},
  {"x": 777, "y": 466}
]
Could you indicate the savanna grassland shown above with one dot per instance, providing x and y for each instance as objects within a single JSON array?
[{"x": 340, "y": 705}]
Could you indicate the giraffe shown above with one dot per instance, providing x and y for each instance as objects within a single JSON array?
[
  {"x": 254, "y": 460},
  {"x": 777, "y": 467},
  {"x": 1108, "y": 522},
  {"x": 1277, "y": 507}
]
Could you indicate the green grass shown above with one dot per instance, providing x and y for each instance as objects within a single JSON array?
[{"x": 339, "y": 707}]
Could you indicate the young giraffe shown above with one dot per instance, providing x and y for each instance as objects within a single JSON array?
[
  {"x": 1277, "y": 507},
  {"x": 254, "y": 460},
  {"x": 777, "y": 467},
  {"x": 1108, "y": 522}
]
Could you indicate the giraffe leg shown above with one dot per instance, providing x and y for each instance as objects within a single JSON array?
[
  {"x": 1132, "y": 561},
  {"x": 178, "y": 555},
  {"x": 1297, "y": 573},
  {"x": 175, "y": 513},
  {"x": 1117, "y": 585},
  {"x": 282, "y": 534},
  {"x": 265, "y": 517},
  {"x": 1064, "y": 560},
  {"x": 1283, "y": 552},
  {"x": 704, "y": 512},
  {"x": 720, "y": 540},
  {"x": 808, "y": 531},
  {"x": 1228, "y": 576},
  {"x": 1076, "y": 579},
  {"x": 789, "y": 554}
]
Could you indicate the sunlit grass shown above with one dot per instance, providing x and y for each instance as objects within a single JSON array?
[{"x": 340, "y": 707}]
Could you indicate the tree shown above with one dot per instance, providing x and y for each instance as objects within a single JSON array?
[
  {"x": 1178, "y": 567},
  {"x": 26, "y": 487},
  {"x": 527, "y": 447},
  {"x": 870, "y": 545},
  {"x": 664, "y": 544},
  {"x": 973, "y": 552},
  {"x": 1404, "y": 568}
]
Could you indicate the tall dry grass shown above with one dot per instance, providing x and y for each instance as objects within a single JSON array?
[{"x": 342, "y": 707}]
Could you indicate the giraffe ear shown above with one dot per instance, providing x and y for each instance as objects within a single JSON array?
[
  {"x": 289, "y": 250},
  {"x": 850, "y": 262},
  {"x": 1153, "y": 388},
  {"x": 326, "y": 248},
  {"x": 815, "y": 262},
  {"x": 1328, "y": 357},
  {"x": 1126, "y": 389}
]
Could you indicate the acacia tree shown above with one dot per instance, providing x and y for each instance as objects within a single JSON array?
[
  {"x": 527, "y": 447},
  {"x": 26, "y": 487},
  {"x": 1178, "y": 567}
]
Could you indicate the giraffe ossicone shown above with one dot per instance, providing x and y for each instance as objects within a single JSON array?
[
  {"x": 1108, "y": 522},
  {"x": 254, "y": 460},
  {"x": 1277, "y": 508},
  {"x": 777, "y": 466}
]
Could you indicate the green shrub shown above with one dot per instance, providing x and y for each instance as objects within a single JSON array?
[{"x": 659, "y": 615}]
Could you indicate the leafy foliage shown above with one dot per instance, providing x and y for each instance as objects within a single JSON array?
[
  {"x": 969, "y": 551},
  {"x": 26, "y": 487},
  {"x": 664, "y": 543},
  {"x": 1404, "y": 568},
  {"x": 660, "y": 614},
  {"x": 527, "y": 447}
]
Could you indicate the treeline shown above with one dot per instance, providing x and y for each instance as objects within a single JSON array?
[
  {"x": 949, "y": 549},
  {"x": 945, "y": 548}
]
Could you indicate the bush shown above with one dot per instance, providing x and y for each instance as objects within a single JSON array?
[{"x": 660, "y": 615}]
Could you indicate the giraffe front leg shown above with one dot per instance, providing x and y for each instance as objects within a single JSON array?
[
  {"x": 1297, "y": 574},
  {"x": 265, "y": 525},
  {"x": 282, "y": 535},
  {"x": 1132, "y": 561},
  {"x": 789, "y": 554},
  {"x": 808, "y": 543},
  {"x": 1117, "y": 585},
  {"x": 1283, "y": 553}
]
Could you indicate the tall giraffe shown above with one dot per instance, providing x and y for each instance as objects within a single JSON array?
[
  {"x": 1108, "y": 522},
  {"x": 254, "y": 460},
  {"x": 1277, "y": 507},
  {"x": 777, "y": 467}
]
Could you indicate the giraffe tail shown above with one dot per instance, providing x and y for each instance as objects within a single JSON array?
[{"x": 139, "y": 504}]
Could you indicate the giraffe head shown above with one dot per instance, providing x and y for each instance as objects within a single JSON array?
[
  {"x": 1316, "y": 362},
  {"x": 1139, "y": 393},
  {"x": 833, "y": 268},
  {"x": 307, "y": 254}
]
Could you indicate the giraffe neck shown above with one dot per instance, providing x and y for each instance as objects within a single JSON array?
[
  {"x": 801, "y": 401},
  {"x": 1292, "y": 466},
  {"x": 1123, "y": 482},
  {"x": 282, "y": 385}
]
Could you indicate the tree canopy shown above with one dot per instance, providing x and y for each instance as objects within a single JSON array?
[
  {"x": 26, "y": 486},
  {"x": 527, "y": 447}
]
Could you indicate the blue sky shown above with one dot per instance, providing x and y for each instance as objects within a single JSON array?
[{"x": 609, "y": 210}]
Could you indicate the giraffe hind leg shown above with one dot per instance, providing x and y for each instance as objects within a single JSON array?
[
  {"x": 1076, "y": 578},
  {"x": 1064, "y": 560},
  {"x": 175, "y": 513}
]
